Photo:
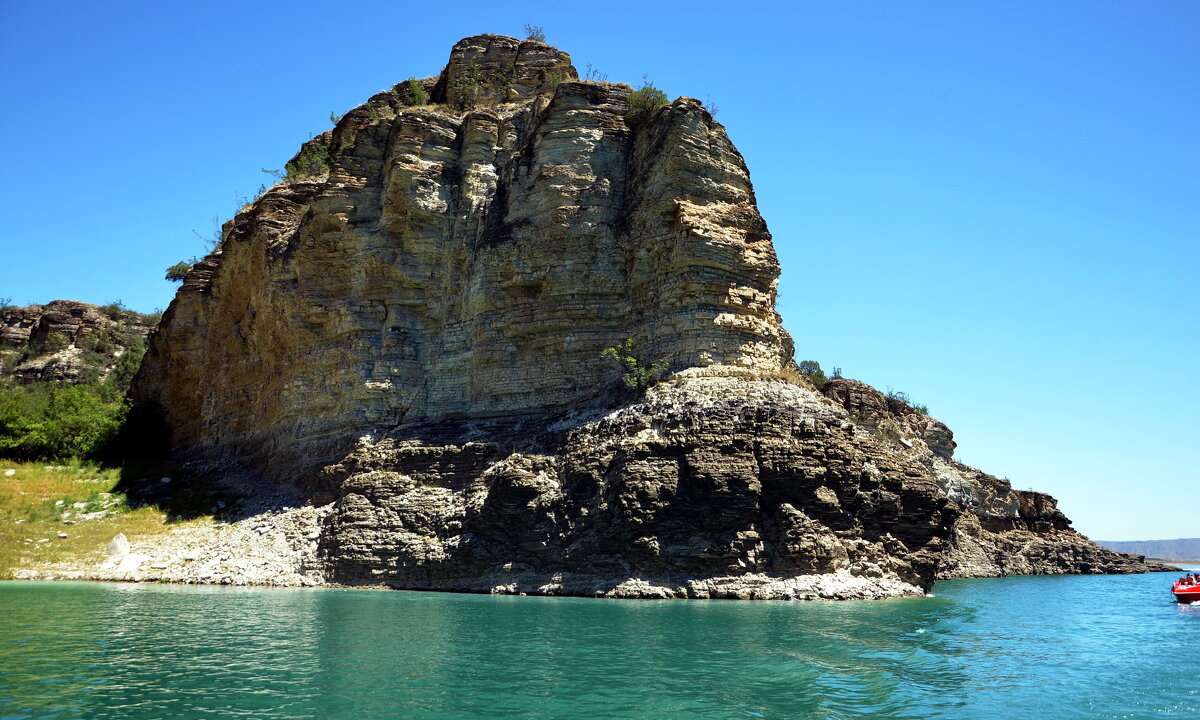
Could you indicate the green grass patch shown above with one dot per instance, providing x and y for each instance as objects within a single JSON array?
[{"x": 40, "y": 501}]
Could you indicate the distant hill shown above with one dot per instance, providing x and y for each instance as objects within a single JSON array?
[
  {"x": 1178, "y": 550},
  {"x": 64, "y": 370},
  {"x": 72, "y": 342}
]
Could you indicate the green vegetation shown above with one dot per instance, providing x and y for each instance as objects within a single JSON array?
[
  {"x": 313, "y": 159},
  {"x": 467, "y": 88},
  {"x": 54, "y": 343},
  {"x": 412, "y": 92},
  {"x": 178, "y": 271},
  {"x": 636, "y": 374},
  {"x": 67, "y": 512},
  {"x": 82, "y": 419},
  {"x": 811, "y": 370},
  {"x": 643, "y": 102},
  {"x": 48, "y": 420},
  {"x": 553, "y": 77},
  {"x": 128, "y": 362},
  {"x": 535, "y": 33},
  {"x": 904, "y": 398}
]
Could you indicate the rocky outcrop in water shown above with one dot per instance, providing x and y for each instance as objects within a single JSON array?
[{"x": 410, "y": 330}]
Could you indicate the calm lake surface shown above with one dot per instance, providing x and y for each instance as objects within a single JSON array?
[{"x": 1027, "y": 647}]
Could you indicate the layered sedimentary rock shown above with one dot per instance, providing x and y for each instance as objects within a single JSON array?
[
  {"x": 411, "y": 329},
  {"x": 68, "y": 341},
  {"x": 473, "y": 264},
  {"x": 710, "y": 486}
]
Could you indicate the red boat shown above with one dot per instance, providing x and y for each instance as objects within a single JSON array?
[{"x": 1186, "y": 593}]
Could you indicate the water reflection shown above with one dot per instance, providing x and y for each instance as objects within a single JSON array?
[{"x": 1004, "y": 648}]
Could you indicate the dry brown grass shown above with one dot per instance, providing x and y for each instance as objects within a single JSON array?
[
  {"x": 789, "y": 373},
  {"x": 33, "y": 500}
]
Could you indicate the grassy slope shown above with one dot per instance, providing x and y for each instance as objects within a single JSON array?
[{"x": 34, "y": 498}]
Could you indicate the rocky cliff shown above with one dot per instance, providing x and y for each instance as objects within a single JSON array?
[
  {"x": 69, "y": 341},
  {"x": 467, "y": 263},
  {"x": 410, "y": 328}
]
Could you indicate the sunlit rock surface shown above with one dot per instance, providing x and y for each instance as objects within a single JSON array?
[{"x": 410, "y": 332}]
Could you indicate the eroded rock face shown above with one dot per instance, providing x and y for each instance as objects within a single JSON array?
[
  {"x": 705, "y": 478},
  {"x": 475, "y": 264},
  {"x": 411, "y": 333},
  {"x": 890, "y": 415},
  {"x": 708, "y": 487},
  {"x": 67, "y": 340}
]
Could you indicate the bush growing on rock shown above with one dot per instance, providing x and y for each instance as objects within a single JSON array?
[
  {"x": 904, "y": 398},
  {"x": 468, "y": 87},
  {"x": 643, "y": 102},
  {"x": 314, "y": 159},
  {"x": 811, "y": 370},
  {"x": 413, "y": 93},
  {"x": 178, "y": 271},
  {"x": 637, "y": 374},
  {"x": 535, "y": 33}
]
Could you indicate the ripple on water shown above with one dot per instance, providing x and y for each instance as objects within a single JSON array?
[{"x": 1015, "y": 647}]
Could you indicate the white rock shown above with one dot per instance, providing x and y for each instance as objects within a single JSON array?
[
  {"x": 118, "y": 547},
  {"x": 164, "y": 481},
  {"x": 131, "y": 562}
]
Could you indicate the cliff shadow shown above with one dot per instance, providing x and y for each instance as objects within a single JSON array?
[
  {"x": 225, "y": 490},
  {"x": 191, "y": 487}
]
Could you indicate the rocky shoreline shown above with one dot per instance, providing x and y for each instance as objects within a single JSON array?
[
  {"x": 401, "y": 359},
  {"x": 279, "y": 549},
  {"x": 881, "y": 516}
]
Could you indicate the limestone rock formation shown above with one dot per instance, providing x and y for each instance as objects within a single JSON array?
[
  {"x": 890, "y": 415},
  {"x": 68, "y": 341},
  {"x": 410, "y": 329},
  {"x": 467, "y": 264}
]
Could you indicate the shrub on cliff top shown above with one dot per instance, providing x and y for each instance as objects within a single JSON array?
[
  {"x": 535, "y": 33},
  {"x": 314, "y": 159},
  {"x": 904, "y": 398},
  {"x": 637, "y": 374},
  {"x": 643, "y": 102},
  {"x": 178, "y": 271},
  {"x": 412, "y": 93},
  {"x": 811, "y": 370}
]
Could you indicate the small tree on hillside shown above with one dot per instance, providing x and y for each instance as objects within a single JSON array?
[{"x": 811, "y": 369}]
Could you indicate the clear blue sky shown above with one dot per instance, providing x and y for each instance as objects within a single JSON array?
[{"x": 994, "y": 207}]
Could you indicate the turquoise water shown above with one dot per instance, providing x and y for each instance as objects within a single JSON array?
[{"x": 1029, "y": 647}]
